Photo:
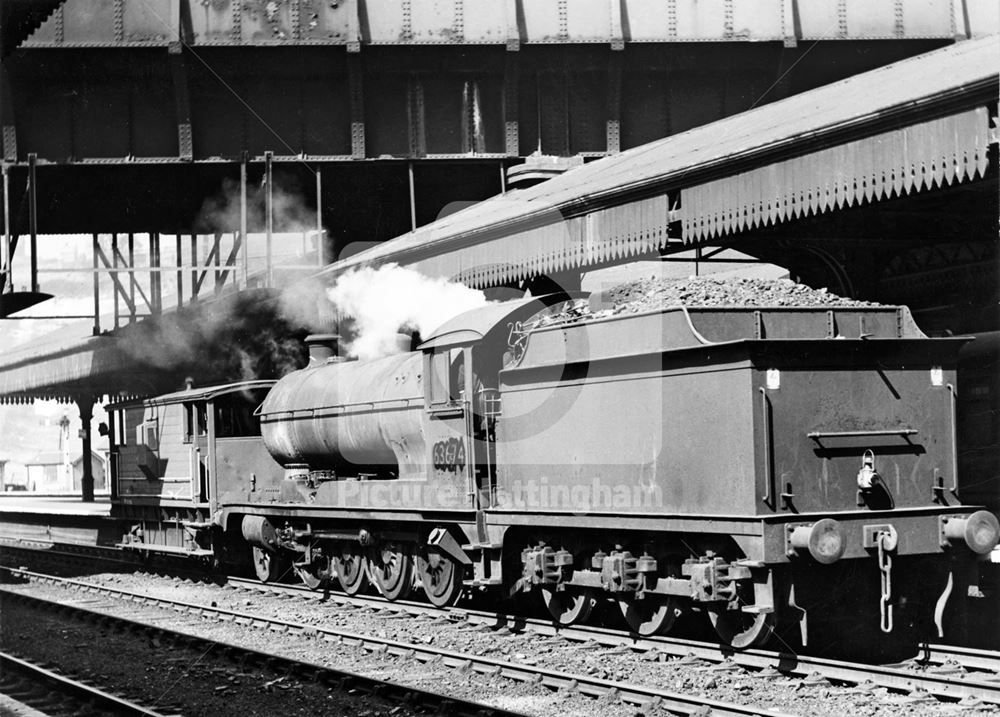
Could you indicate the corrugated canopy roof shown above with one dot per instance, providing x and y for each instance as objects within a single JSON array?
[
  {"x": 208, "y": 339},
  {"x": 901, "y": 94},
  {"x": 72, "y": 362}
]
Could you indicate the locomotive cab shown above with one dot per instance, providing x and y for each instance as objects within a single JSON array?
[
  {"x": 176, "y": 455},
  {"x": 463, "y": 359}
]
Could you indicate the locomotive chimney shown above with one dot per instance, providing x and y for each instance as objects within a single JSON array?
[{"x": 322, "y": 348}]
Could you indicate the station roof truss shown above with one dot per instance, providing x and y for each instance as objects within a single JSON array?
[{"x": 914, "y": 125}]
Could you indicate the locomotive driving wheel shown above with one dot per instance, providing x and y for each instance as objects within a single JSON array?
[
  {"x": 741, "y": 629},
  {"x": 651, "y": 615},
  {"x": 570, "y": 606},
  {"x": 391, "y": 566},
  {"x": 351, "y": 568},
  {"x": 440, "y": 576},
  {"x": 315, "y": 575},
  {"x": 266, "y": 564}
]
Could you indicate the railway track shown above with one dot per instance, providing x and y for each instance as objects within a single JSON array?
[
  {"x": 947, "y": 658},
  {"x": 246, "y": 656},
  {"x": 28, "y": 689},
  {"x": 942, "y": 672},
  {"x": 70, "y": 554},
  {"x": 642, "y": 696}
]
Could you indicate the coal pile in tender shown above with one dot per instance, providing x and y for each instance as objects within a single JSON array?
[{"x": 650, "y": 294}]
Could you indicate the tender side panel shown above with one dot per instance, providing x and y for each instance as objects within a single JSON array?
[{"x": 645, "y": 434}]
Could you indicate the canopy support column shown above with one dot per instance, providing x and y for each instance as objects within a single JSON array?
[{"x": 86, "y": 406}]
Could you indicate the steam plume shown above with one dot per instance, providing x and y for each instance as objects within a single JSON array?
[
  {"x": 392, "y": 298},
  {"x": 242, "y": 336},
  {"x": 221, "y": 213},
  {"x": 246, "y": 335},
  {"x": 304, "y": 302}
]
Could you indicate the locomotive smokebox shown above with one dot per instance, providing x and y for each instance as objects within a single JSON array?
[{"x": 322, "y": 348}]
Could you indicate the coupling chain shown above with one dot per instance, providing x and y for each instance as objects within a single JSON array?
[{"x": 883, "y": 542}]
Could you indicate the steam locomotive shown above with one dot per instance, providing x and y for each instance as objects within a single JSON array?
[{"x": 771, "y": 468}]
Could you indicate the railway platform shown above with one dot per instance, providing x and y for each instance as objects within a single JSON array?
[
  {"x": 54, "y": 503},
  {"x": 55, "y": 519}
]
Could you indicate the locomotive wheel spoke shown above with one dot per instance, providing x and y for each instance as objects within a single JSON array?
[
  {"x": 391, "y": 566},
  {"x": 651, "y": 615},
  {"x": 742, "y": 630},
  {"x": 568, "y": 607},
  {"x": 440, "y": 576},
  {"x": 266, "y": 564},
  {"x": 351, "y": 568}
]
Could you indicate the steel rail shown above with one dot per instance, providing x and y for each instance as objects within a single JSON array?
[
  {"x": 61, "y": 684},
  {"x": 901, "y": 677},
  {"x": 287, "y": 665},
  {"x": 968, "y": 657},
  {"x": 645, "y": 697},
  {"x": 50, "y": 549},
  {"x": 904, "y": 678}
]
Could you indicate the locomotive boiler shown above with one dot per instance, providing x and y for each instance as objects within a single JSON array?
[{"x": 786, "y": 468}]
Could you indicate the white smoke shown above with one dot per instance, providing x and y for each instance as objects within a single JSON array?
[
  {"x": 391, "y": 298},
  {"x": 290, "y": 212}
]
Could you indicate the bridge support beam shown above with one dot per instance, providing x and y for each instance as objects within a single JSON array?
[{"x": 182, "y": 101}]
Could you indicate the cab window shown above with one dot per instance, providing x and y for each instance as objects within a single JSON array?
[
  {"x": 447, "y": 376},
  {"x": 234, "y": 418},
  {"x": 195, "y": 421}
]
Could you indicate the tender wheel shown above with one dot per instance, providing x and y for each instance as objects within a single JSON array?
[
  {"x": 266, "y": 564},
  {"x": 741, "y": 629},
  {"x": 391, "y": 567},
  {"x": 440, "y": 576},
  {"x": 650, "y": 615},
  {"x": 568, "y": 607},
  {"x": 351, "y": 568}
]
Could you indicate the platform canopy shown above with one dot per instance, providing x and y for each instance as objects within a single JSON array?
[
  {"x": 915, "y": 125},
  {"x": 68, "y": 364},
  {"x": 210, "y": 340}
]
